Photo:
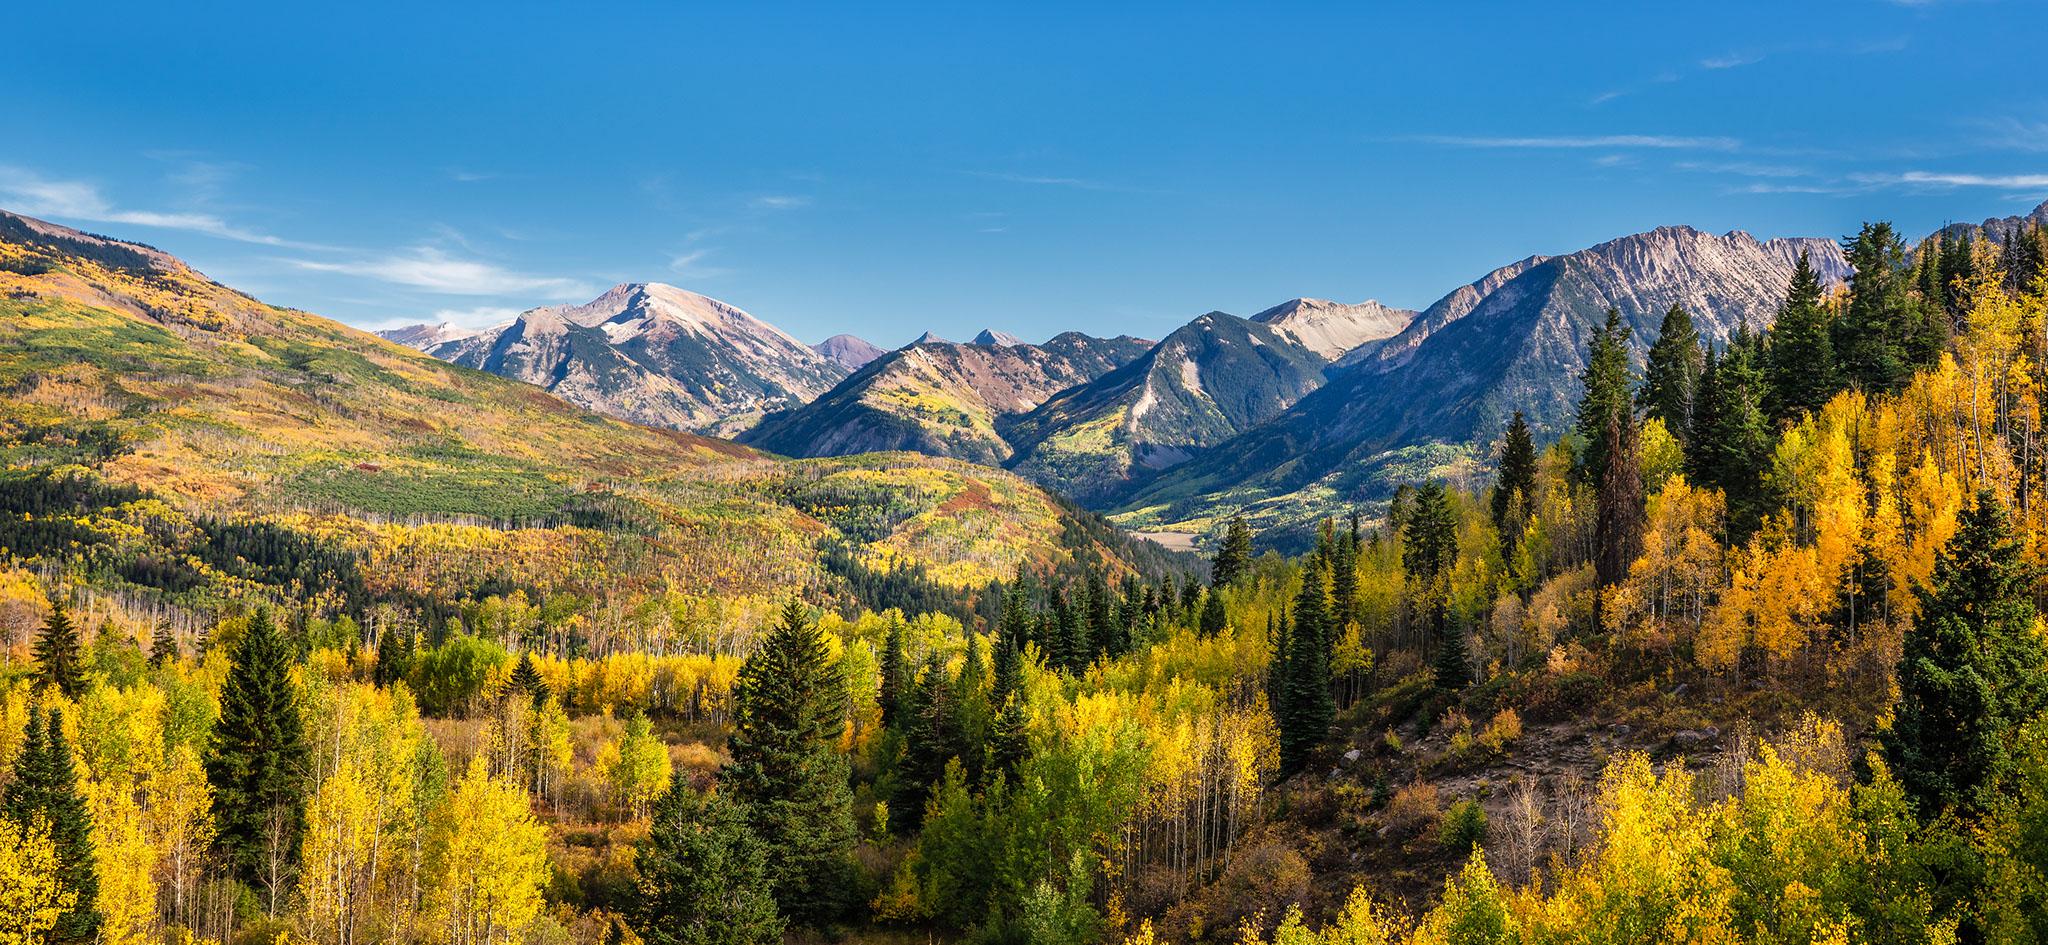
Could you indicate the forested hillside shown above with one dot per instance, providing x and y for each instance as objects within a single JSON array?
[{"x": 1750, "y": 653}]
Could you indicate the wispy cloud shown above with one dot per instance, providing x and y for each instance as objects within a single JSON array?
[
  {"x": 31, "y": 193},
  {"x": 1731, "y": 60},
  {"x": 2018, "y": 134},
  {"x": 691, "y": 264},
  {"x": 1744, "y": 168},
  {"x": 1671, "y": 142},
  {"x": 1948, "y": 180},
  {"x": 779, "y": 202},
  {"x": 1044, "y": 180},
  {"x": 433, "y": 270},
  {"x": 483, "y": 316}
]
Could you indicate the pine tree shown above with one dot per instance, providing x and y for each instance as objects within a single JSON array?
[
  {"x": 1731, "y": 439},
  {"x": 1671, "y": 378},
  {"x": 1872, "y": 335},
  {"x": 1234, "y": 556},
  {"x": 163, "y": 647},
  {"x": 896, "y": 671},
  {"x": 1343, "y": 582},
  {"x": 257, "y": 761},
  {"x": 1800, "y": 370},
  {"x": 1213, "y": 618},
  {"x": 59, "y": 657},
  {"x": 1105, "y": 635},
  {"x": 1518, "y": 469},
  {"x": 45, "y": 789},
  {"x": 1309, "y": 706},
  {"x": 931, "y": 738},
  {"x": 1618, "y": 511},
  {"x": 1958, "y": 269},
  {"x": 526, "y": 679},
  {"x": 394, "y": 656},
  {"x": 703, "y": 875},
  {"x": 1607, "y": 386},
  {"x": 1971, "y": 671},
  {"x": 1453, "y": 665},
  {"x": 1429, "y": 540},
  {"x": 789, "y": 710}
]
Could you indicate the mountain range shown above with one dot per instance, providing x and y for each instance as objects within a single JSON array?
[{"x": 1305, "y": 408}]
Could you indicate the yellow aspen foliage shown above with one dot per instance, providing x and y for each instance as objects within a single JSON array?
[
  {"x": 488, "y": 862},
  {"x": 126, "y": 863},
  {"x": 31, "y": 897}
]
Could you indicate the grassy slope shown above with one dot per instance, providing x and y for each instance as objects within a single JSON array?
[{"x": 226, "y": 405}]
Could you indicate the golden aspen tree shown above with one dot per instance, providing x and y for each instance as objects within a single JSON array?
[
  {"x": 32, "y": 898},
  {"x": 488, "y": 862}
]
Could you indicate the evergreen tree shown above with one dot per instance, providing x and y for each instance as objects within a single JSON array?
[
  {"x": 163, "y": 647},
  {"x": 1607, "y": 387},
  {"x": 1800, "y": 370},
  {"x": 1429, "y": 541},
  {"x": 526, "y": 679},
  {"x": 1618, "y": 506},
  {"x": 703, "y": 876},
  {"x": 930, "y": 739},
  {"x": 394, "y": 654},
  {"x": 45, "y": 788},
  {"x": 896, "y": 669},
  {"x": 1105, "y": 635},
  {"x": 1971, "y": 671},
  {"x": 1280, "y": 649},
  {"x": 1872, "y": 336},
  {"x": 1213, "y": 618},
  {"x": 1732, "y": 440},
  {"x": 257, "y": 761},
  {"x": 1453, "y": 664},
  {"x": 1234, "y": 556},
  {"x": 1671, "y": 378},
  {"x": 1309, "y": 707},
  {"x": 1958, "y": 268},
  {"x": 1517, "y": 470},
  {"x": 1343, "y": 582},
  {"x": 789, "y": 710},
  {"x": 59, "y": 657}
]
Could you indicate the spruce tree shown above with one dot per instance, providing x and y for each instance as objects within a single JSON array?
[
  {"x": 1618, "y": 506},
  {"x": 1671, "y": 378},
  {"x": 1453, "y": 665},
  {"x": 163, "y": 647},
  {"x": 394, "y": 655},
  {"x": 1607, "y": 387},
  {"x": 1872, "y": 336},
  {"x": 1213, "y": 618},
  {"x": 1343, "y": 583},
  {"x": 896, "y": 671},
  {"x": 930, "y": 739},
  {"x": 789, "y": 710},
  {"x": 1309, "y": 706},
  {"x": 1732, "y": 440},
  {"x": 1958, "y": 269},
  {"x": 59, "y": 658},
  {"x": 257, "y": 761},
  {"x": 1800, "y": 370},
  {"x": 1234, "y": 556},
  {"x": 1972, "y": 669},
  {"x": 1429, "y": 540},
  {"x": 526, "y": 680},
  {"x": 703, "y": 875},
  {"x": 45, "y": 789},
  {"x": 1517, "y": 470}
]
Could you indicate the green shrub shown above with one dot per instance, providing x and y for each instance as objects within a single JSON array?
[{"x": 1463, "y": 826}]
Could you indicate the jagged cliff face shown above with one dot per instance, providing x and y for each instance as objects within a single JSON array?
[
  {"x": 1334, "y": 329},
  {"x": 941, "y": 398},
  {"x": 654, "y": 354},
  {"x": 1515, "y": 340},
  {"x": 1204, "y": 383}
]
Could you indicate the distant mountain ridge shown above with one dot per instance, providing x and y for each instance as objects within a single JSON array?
[
  {"x": 1414, "y": 404},
  {"x": 940, "y": 398},
  {"x": 1209, "y": 380},
  {"x": 848, "y": 351},
  {"x": 653, "y": 354}
]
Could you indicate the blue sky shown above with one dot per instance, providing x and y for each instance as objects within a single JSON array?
[{"x": 884, "y": 169}]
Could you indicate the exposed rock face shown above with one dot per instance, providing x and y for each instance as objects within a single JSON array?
[
  {"x": 426, "y": 337},
  {"x": 848, "y": 351},
  {"x": 1514, "y": 340},
  {"x": 654, "y": 354},
  {"x": 1208, "y": 381},
  {"x": 1001, "y": 339},
  {"x": 1333, "y": 329},
  {"x": 941, "y": 398}
]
